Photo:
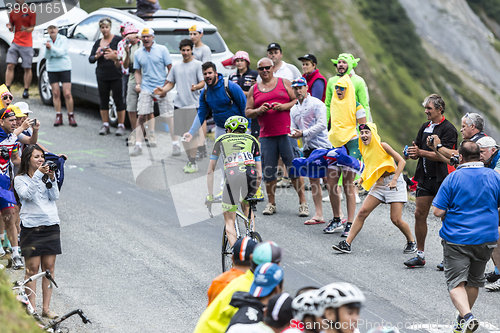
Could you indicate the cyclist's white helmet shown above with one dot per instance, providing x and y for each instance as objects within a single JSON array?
[
  {"x": 334, "y": 295},
  {"x": 304, "y": 304}
]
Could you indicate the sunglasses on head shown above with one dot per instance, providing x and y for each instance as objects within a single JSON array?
[
  {"x": 264, "y": 68},
  {"x": 7, "y": 97},
  {"x": 340, "y": 88}
]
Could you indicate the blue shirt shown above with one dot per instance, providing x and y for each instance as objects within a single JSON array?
[
  {"x": 153, "y": 65},
  {"x": 57, "y": 56},
  {"x": 471, "y": 197},
  {"x": 219, "y": 102}
]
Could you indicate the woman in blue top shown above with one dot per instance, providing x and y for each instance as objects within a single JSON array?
[
  {"x": 36, "y": 189},
  {"x": 59, "y": 70}
]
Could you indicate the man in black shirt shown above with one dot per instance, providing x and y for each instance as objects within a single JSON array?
[{"x": 430, "y": 172}]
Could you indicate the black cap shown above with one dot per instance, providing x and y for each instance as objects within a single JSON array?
[
  {"x": 279, "y": 311},
  {"x": 274, "y": 46},
  {"x": 309, "y": 57}
]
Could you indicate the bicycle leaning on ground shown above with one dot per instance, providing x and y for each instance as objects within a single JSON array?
[
  {"x": 241, "y": 220},
  {"x": 54, "y": 324}
]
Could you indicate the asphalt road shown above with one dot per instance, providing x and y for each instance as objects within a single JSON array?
[{"x": 139, "y": 250}]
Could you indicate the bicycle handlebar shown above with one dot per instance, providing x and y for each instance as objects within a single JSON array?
[{"x": 36, "y": 277}]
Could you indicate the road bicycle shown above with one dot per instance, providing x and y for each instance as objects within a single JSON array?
[
  {"x": 242, "y": 222},
  {"x": 54, "y": 324}
]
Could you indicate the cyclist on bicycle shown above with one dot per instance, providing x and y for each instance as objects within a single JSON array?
[{"x": 242, "y": 170}]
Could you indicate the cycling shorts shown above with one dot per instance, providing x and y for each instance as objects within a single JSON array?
[{"x": 238, "y": 184}]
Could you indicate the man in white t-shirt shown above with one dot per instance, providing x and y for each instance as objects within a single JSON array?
[
  {"x": 281, "y": 68},
  {"x": 201, "y": 51}
]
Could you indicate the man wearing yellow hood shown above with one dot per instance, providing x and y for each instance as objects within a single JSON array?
[
  {"x": 385, "y": 182},
  {"x": 345, "y": 113}
]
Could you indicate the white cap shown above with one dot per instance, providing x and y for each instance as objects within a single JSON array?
[
  {"x": 487, "y": 142},
  {"x": 23, "y": 106}
]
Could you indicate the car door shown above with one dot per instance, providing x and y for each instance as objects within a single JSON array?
[{"x": 81, "y": 39}]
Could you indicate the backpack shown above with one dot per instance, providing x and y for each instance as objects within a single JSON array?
[{"x": 226, "y": 89}]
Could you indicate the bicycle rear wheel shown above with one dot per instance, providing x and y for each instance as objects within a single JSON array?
[
  {"x": 227, "y": 252},
  {"x": 255, "y": 236}
]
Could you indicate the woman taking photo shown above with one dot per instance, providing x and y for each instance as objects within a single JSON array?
[
  {"x": 109, "y": 76},
  {"x": 36, "y": 189}
]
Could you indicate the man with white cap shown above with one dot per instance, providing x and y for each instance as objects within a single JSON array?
[{"x": 201, "y": 51}]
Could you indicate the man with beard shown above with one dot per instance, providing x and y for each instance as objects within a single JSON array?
[{"x": 225, "y": 99}]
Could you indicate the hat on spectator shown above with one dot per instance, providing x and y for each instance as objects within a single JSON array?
[
  {"x": 267, "y": 277},
  {"x": 279, "y": 311},
  {"x": 310, "y": 57},
  {"x": 130, "y": 29},
  {"x": 24, "y": 107},
  {"x": 267, "y": 252},
  {"x": 240, "y": 55},
  {"x": 196, "y": 28},
  {"x": 341, "y": 83},
  {"x": 6, "y": 113},
  {"x": 487, "y": 142},
  {"x": 16, "y": 110},
  {"x": 299, "y": 82},
  {"x": 273, "y": 46},
  {"x": 147, "y": 31},
  {"x": 243, "y": 248},
  {"x": 4, "y": 91}
]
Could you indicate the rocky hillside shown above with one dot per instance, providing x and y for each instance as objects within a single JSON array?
[{"x": 408, "y": 49}]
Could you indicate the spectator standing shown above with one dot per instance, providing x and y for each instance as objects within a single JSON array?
[
  {"x": 188, "y": 77},
  {"x": 127, "y": 29},
  {"x": 22, "y": 22},
  {"x": 149, "y": 66},
  {"x": 59, "y": 70},
  {"x": 308, "y": 121},
  {"x": 36, "y": 187},
  {"x": 467, "y": 202},
  {"x": 270, "y": 102},
  {"x": 316, "y": 82},
  {"x": 109, "y": 77},
  {"x": 430, "y": 172},
  {"x": 201, "y": 51},
  {"x": 281, "y": 68}
]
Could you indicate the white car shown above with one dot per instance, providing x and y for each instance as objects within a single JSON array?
[
  {"x": 69, "y": 16},
  {"x": 170, "y": 26}
]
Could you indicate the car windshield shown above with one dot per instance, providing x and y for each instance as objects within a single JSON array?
[{"x": 171, "y": 40}]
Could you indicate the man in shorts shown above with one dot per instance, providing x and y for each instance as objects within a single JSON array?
[
  {"x": 470, "y": 230},
  {"x": 22, "y": 23},
  {"x": 149, "y": 65},
  {"x": 430, "y": 172},
  {"x": 188, "y": 77},
  {"x": 242, "y": 170}
]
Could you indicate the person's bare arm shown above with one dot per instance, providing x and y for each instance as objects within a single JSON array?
[
  {"x": 165, "y": 89},
  {"x": 198, "y": 86},
  {"x": 16, "y": 159},
  {"x": 210, "y": 177},
  {"x": 439, "y": 212},
  {"x": 399, "y": 161},
  {"x": 138, "y": 80},
  {"x": 414, "y": 152}
]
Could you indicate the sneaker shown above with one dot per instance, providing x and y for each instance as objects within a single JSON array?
[
  {"x": 259, "y": 195},
  {"x": 120, "y": 131},
  {"x": 284, "y": 182},
  {"x": 131, "y": 139},
  {"x": 71, "y": 120},
  {"x": 495, "y": 286},
  {"x": 191, "y": 168},
  {"x": 411, "y": 247},
  {"x": 326, "y": 199},
  {"x": 440, "y": 267},
  {"x": 471, "y": 325},
  {"x": 492, "y": 276},
  {"x": 136, "y": 151},
  {"x": 346, "y": 229},
  {"x": 343, "y": 247},
  {"x": 358, "y": 199},
  {"x": 458, "y": 325},
  {"x": 104, "y": 130},
  {"x": 270, "y": 209},
  {"x": 17, "y": 263},
  {"x": 303, "y": 210},
  {"x": 415, "y": 262},
  {"x": 333, "y": 226},
  {"x": 176, "y": 150},
  {"x": 152, "y": 140},
  {"x": 59, "y": 119},
  {"x": 26, "y": 94},
  {"x": 201, "y": 154},
  {"x": 2, "y": 252}
]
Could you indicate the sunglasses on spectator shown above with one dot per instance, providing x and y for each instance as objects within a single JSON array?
[
  {"x": 7, "y": 96},
  {"x": 339, "y": 88},
  {"x": 263, "y": 68}
]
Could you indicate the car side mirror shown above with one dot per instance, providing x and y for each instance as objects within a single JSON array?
[{"x": 63, "y": 31}]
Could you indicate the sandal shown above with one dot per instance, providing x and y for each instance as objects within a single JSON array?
[
  {"x": 313, "y": 221},
  {"x": 50, "y": 315}
]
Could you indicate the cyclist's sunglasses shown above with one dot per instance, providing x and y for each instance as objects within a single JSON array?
[
  {"x": 7, "y": 97},
  {"x": 264, "y": 68},
  {"x": 339, "y": 88}
]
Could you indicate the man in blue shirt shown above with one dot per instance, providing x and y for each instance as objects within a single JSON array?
[
  {"x": 468, "y": 202},
  {"x": 149, "y": 65}
]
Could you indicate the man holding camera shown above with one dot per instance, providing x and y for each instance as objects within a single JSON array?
[
  {"x": 430, "y": 171},
  {"x": 8, "y": 153}
]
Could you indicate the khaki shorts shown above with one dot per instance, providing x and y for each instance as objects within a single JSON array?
[
  {"x": 381, "y": 192},
  {"x": 146, "y": 103},
  {"x": 132, "y": 97},
  {"x": 16, "y": 51}
]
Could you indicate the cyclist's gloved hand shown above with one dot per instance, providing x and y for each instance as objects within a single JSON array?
[{"x": 210, "y": 198}]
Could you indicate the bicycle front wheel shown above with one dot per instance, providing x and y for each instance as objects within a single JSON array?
[
  {"x": 255, "y": 236},
  {"x": 227, "y": 252}
]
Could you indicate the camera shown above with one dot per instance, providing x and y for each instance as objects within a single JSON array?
[
  {"x": 52, "y": 165},
  {"x": 454, "y": 160},
  {"x": 4, "y": 152},
  {"x": 127, "y": 42},
  {"x": 405, "y": 151},
  {"x": 431, "y": 140}
]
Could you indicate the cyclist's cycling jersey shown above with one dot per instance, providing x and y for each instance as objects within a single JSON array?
[{"x": 238, "y": 150}]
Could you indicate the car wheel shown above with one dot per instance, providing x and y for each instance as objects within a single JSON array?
[
  {"x": 44, "y": 86},
  {"x": 3, "y": 60},
  {"x": 113, "y": 115}
]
